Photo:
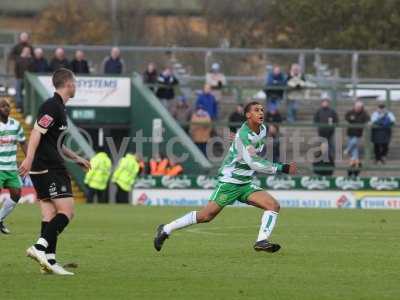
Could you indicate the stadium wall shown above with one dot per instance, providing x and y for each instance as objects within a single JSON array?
[{"x": 306, "y": 192}]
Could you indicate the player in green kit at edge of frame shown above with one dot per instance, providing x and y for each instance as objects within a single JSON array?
[
  {"x": 11, "y": 133},
  {"x": 235, "y": 183},
  {"x": 45, "y": 163}
]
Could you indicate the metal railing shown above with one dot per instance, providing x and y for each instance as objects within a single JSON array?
[{"x": 246, "y": 64}]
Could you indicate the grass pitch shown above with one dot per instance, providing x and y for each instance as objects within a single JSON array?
[{"x": 327, "y": 254}]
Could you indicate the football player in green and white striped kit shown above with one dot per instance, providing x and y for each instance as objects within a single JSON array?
[
  {"x": 11, "y": 133},
  {"x": 235, "y": 182}
]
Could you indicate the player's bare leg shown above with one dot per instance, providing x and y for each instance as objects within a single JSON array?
[
  {"x": 271, "y": 208},
  {"x": 206, "y": 214},
  {"x": 8, "y": 206}
]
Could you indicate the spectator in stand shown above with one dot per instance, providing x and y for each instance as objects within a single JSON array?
[
  {"x": 79, "y": 64},
  {"x": 181, "y": 112},
  {"x": 150, "y": 76},
  {"x": 357, "y": 118},
  {"x": 200, "y": 128},
  {"x": 274, "y": 137},
  {"x": 114, "y": 64},
  {"x": 59, "y": 60},
  {"x": 236, "y": 119},
  {"x": 324, "y": 163},
  {"x": 215, "y": 78},
  {"x": 23, "y": 64},
  {"x": 166, "y": 87},
  {"x": 381, "y": 133},
  {"x": 208, "y": 102},
  {"x": 296, "y": 82},
  {"x": 273, "y": 116},
  {"x": 328, "y": 118},
  {"x": 17, "y": 49},
  {"x": 275, "y": 85},
  {"x": 40, "y": 64}
]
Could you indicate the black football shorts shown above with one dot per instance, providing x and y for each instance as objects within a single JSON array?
[{"x": 51, "y": 184}]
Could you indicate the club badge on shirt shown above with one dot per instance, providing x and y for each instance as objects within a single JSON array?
[{"x": 45, "y": 121}]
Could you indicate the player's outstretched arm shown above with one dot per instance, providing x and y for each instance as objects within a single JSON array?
[
  {"x": 34, "y": 141},
  {"x": 262, "y": 165},
  {"x": 84, "y": 163}
]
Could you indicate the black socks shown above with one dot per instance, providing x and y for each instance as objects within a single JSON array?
[{"x": 50, "y": 231}]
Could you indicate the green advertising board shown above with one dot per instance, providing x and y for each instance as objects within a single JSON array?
[{"x": 275, "y": 183}]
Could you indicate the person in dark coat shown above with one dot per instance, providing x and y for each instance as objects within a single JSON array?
[
  {"x": 114, "y": 64},
  {"x": 328, "y": 119},
  {"x": 166, "y": 84},
  {"x": 59, "y": 60},
  {"x": 274, "y": 137},
  {"x": 357, "y": 117},
  {"x": 382, "y": 121},
  {"x": 273, "y": 116},
  {"x": 150, "y": 76},
  {"x": 275, "y": 85},
  {"x": 23, "y": 63},
  {"x": 24, "y": 41},
  {"x": 79, "y": 65},
  {"x": 236, "y": 119},
  {"x": 40, "y": 64}
]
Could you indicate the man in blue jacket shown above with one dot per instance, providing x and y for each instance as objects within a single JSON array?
[
  {"x": 275, "y": 84},
  {"x": 207, "y": 101},
  {"x": 382, "y": 121}
]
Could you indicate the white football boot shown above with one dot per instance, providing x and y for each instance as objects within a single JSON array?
[
  {"x": 59, "y": 270},
  {"x": 40, "y": 257}
]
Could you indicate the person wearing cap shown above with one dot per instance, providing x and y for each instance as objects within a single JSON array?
[
  {"x": 326, "y": 118},
  {"x": 382, "y": 121},
  {"x": 215, "y": 78}
]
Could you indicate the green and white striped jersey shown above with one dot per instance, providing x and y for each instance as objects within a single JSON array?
[
  {"x": 242, "y": 159},
  {"x": 11, "y": 134}
]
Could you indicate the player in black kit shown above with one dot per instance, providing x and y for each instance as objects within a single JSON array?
[{"x": 45, "y": 163}]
